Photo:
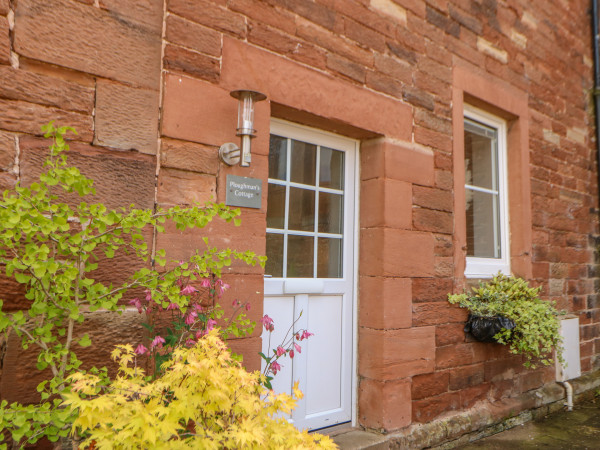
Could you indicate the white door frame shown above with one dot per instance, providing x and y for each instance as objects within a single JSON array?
[{"x": 278, "y": 286}]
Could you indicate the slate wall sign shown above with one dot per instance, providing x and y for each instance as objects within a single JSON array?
[{"x": 243, "y": 191}]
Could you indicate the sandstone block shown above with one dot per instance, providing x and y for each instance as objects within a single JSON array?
[
  {"x": 121, "y": 50},
  {"x": 177, "y": 187},
  {"x": 467, "y": 376},
  {"x": 248, "y": 348},
  {"x": 384, "y": 404},
  {"x": 396, "y": 253},
  {"x": 28, "y": 118},
  {"x": 403, "y": 162},
  {"x": 431, "y": 289},
  {"x": 385, "y": 303},
  {"x": 394, "y": 354},
  {"x": 429, "y": 384},
  {"x": 386, "y": 202},
  {"x": 126, "y": 117},
  {"x": 207, "y": 13},
  {"x": 106, "y": 329},
  {"x": 426, "y": 410},
  {"x": 193, "y": 63},
  {"x": 7, "y": 150},
  {"x": 45, "y": 90},
  {"x": 148, "y": 13},
  {"x": 4, "y": 41},
  {"x": 4, "y": 6},
  {"x": 120, "y": 178},
  {"x": 449, "y": 334},
  {"x": 437, "y": 313},
  {"x": 189, "y": 156},
  {"x": 196, "y": 37},
  {"x": 307, "y": 90}
]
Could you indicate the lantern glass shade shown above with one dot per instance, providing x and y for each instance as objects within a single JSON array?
[{"x": 246, "y": 100}]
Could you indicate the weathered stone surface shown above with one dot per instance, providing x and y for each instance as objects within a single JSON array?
[
  {"x": 394, "y": 354},
  {"x": 189, "y": 156},
  {"x": 385, "y": 303},
  {"x": 120, "y": 178},
  {"x": 209, "y": 14},
  {"x": 179, "y": 187},
  {"x": 4, "y": 7},
  {"x": 4, "y": 41},
  {"x": 147, "y": 13},
  {"x": 248, "y": 348},
  {"x": 126, "y": 117},
  {"x": 386, "y": 203},
  {"x": 384, "y": 404},
  {"x": 193, "y": 63},
  {"x": 45, "y": 90},
  {"x": 189, "y": 34},
  {"x": 87, "y": 39},
  {"x": 7, "y": 181},
  {"x": 27, "y": 117},
  {"x": 7, "y": 150},
  {"x": 106, "y": 329}
]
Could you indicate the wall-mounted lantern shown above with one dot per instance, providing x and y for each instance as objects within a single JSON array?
[{"x": 229, "y": 152}]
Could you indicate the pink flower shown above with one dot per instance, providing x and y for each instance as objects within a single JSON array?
[
  {"x": 136, "y": 302},
  {"x": 222, "y": 286},
  {"x": 191, "y": 318},
  {"x": 188, "y": 290},
  {"x": 275, "y": 367},
  {"x": 157, "y": 342},
  {"x": 235, "y": 303},
  {"x": 205, "y": 283},
  {"x": 280, "y": 351},
  {"x": 148, "y": 295},
  {"x": 190, "y": 343},
  {"x": 200, "y": 333},
  {"x": 140, "y": 349},
  {"x": 267, "y": 322},
  {"x": 172, "y": 306},
  {"x": 247, "y": 306},
  {"x": 306, "y": 335},
  {"x": 210, "y": 324},
  {"x": 298, "y": 348},
  {"x": 292, "y": 354},
  {"x": 199, "y": 308}
]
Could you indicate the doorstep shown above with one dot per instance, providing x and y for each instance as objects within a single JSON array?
[{"x": 356, "y": 438}]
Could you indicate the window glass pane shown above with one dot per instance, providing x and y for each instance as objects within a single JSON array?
[
  {"x": 300, "y": 260},
  {"x": 483, "y": 237},
  {"x": 276, "y": 206},
  {"x": 480, "y": 158},
  {"x": 329, "y": 258},
  {"x": 331, "y": 213},
  {"x": 302, "y": 210},
  {"x": 274, "y": 265},
  {"x": 277, "y": 157},
  {"x": 331, "y": 172},
  {"x": 304, "y": 163}
]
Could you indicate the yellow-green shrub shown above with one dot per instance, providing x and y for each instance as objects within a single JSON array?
[{"x": 203, "y": 399}]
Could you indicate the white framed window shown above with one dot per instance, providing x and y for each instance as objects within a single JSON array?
[{"x": 486, "y": 194}]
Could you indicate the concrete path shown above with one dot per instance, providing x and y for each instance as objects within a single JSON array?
[{"x": 579, "y": 429}]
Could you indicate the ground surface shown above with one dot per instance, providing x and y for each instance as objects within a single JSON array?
[{"x": 579, "y": 429}]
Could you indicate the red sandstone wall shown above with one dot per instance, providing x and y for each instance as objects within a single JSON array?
[{"x": 334, "y": 64}]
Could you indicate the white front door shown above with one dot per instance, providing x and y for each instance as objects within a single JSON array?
[{"x": 310, "y": 269}]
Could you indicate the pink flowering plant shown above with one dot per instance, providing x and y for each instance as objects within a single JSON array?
[
  {"x": 288, "y": 347},
  {"x": 193, "y": 316}
]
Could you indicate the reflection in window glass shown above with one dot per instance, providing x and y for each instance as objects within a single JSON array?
[
  {"x": 302, "y": 210},
  {"x": 304, "y": 163},
  {"x": 331, "y": 171},
  {"x": 277, "y": 157},
  {"x": 482, "y": 225},
  {"x": 276, "y": 206},
  {"x": 329, "y": 258},
  {"x": 300, "y": 256},
  {"x": 274, "y": 265},
  {"x": 331, "y": 212}
]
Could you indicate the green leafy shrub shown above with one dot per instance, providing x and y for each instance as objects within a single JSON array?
[
  {"x": 202, "y": 399},
  {"x": 52, "y": 249},
  {"x": 536, "y": 332}
]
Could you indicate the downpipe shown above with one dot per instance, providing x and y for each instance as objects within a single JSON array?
[{"x": 569, "y": 389}]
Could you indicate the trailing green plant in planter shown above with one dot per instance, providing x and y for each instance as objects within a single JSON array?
[{"x": 536, "y": 325}]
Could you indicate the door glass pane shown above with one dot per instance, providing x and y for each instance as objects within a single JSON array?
[
  {"x": 480, "y": 157},
  {"x": 304, "y": 163},
  {"x": 277, "y": 157},
  {"x": 276, "y": 206},
  {"x": 300, "y": 256},
  {"x": 302, "y": 210},
  {"x": 482, "y": 225},
  {"x": 330, "y": 212},
  {"x": 274, "y": 265},
  {"x": 331, "y": 172},
  {"x": 329, "y": 258}
]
